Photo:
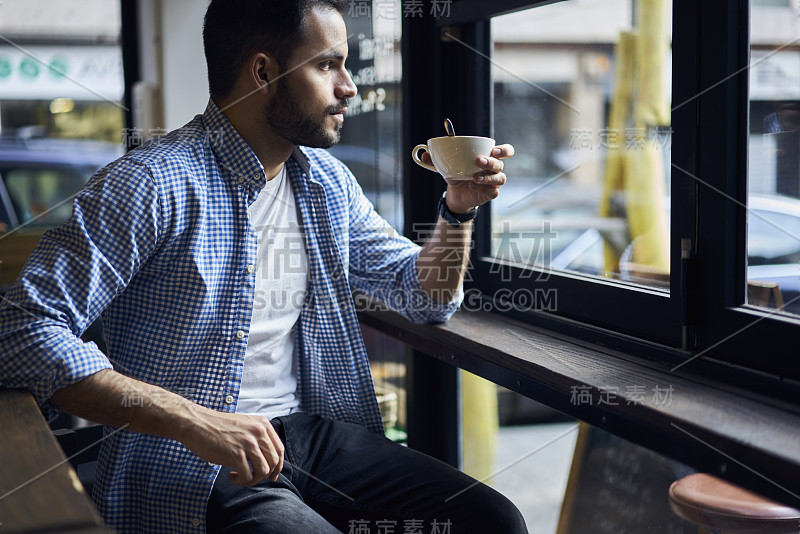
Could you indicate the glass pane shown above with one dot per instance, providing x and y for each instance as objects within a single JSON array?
[
  {"x": 39, "y": 194},
  {"x": 370, "y": 144},
  {"x": 773, "y": 221},
  {"x": 61, "y": 113},
  {"x": 582, "y": 90}
]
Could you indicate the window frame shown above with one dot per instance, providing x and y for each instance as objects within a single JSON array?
[{"x": 725, "y": 314}]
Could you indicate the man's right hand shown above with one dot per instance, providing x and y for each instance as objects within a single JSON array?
[{"x": 246, "y": 443}]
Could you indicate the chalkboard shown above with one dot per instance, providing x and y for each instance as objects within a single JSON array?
[{"x": 617, "y": 487}]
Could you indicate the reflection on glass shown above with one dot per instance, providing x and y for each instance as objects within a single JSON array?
[
  {"x": 582, "y": 89},
  {"x": 773, "y": 221},
  {"x": 38, "y": 194},
  {"x": 370, "y": 144}
]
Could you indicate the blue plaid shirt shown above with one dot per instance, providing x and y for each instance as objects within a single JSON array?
[{"x": 160, "y": 243}]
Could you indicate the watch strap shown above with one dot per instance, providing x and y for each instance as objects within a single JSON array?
[{"x": 455, "y": 219}]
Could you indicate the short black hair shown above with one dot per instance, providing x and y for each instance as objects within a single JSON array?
[{"x": 234, "y": 30}]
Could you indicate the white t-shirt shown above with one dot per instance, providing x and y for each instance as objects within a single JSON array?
[{"x": 269, "y": 380}]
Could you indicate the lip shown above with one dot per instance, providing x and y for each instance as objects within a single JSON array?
[{"x": 339, "y": 115}]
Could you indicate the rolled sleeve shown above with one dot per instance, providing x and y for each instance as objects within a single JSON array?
[
  {"x": 427, "y": 309},
  {"x": 383, "y": 264},
  {"x": 46, "y": 359}
]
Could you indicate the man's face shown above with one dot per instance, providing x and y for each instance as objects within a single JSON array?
[{"x": 308, "y": 105}]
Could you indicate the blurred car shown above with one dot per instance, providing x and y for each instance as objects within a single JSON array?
[{"x": 38, "y": 179}]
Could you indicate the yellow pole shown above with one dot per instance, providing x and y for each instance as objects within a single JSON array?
[
  {"x": 614, "y": 177},
  {"x": 644, "y": 176},
  {"x": 636, "y": 166},
  {"x": 479, "y": 425},
  {"x": 652, "y": 45}
]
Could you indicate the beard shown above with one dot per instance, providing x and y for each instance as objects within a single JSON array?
[{"x": 288, "y": 118}]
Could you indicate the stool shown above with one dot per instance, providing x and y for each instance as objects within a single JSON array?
[{"x": 719, "y": 506}]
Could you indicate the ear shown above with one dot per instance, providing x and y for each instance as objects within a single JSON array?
[{"x": 260, "y": 70}]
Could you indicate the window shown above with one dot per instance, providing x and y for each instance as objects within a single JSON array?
[
  {"x": 370, "y": 144},
  {"x": 747, "y": 274},
  {"x": 62, "y": 115},
  {"x": 583, "y": 88},
  {"x": 697, "y": 263},
  {"x": 370, "y": 147},
  {"x": 38, "y": 193},
  {"x": 773, "y": 187},
  {"x": 61, "y": 70}
]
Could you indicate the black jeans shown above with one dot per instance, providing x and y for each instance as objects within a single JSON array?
[{"x": 339, "y": 477}]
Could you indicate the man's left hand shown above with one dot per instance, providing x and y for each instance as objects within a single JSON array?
[{"x": 463, "y": 195}]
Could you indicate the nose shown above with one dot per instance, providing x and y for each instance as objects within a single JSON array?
[{"x": 345, "y": 88}]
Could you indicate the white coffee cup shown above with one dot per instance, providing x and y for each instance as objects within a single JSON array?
[{"x": 454, "y": 156}]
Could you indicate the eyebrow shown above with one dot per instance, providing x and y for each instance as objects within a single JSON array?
[{"x": 329, "y": 55}]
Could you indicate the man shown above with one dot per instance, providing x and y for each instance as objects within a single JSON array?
[{"x": 175, "y": 242}]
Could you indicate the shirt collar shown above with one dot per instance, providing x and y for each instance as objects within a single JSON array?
[
  {"x": 299, "y": 156},
  {"x": 234, "y": 153},
  {"x": 231, "y": 150}
]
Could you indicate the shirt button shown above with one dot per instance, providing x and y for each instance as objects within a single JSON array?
[
  {"x": 251, "y": 269},
  {"x": 228, "y": 399},
  {"x": 239, "y": 334},
  {"x": 196, "y": 522}
]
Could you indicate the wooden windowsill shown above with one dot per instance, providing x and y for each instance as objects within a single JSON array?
[{"x": 707, "y": 425}]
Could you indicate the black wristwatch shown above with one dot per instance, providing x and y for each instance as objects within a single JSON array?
[{"x": 455, "y": 219}]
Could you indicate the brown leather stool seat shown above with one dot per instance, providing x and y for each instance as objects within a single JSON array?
[{"x": 712, "y": 503}]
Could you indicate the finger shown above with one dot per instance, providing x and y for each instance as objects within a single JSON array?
[
  {"x": 276, "y": 471},
  {"x": 502, "y": 151},
  {"x": 276, "y": 449},
  {"x": 426, "y": 158},
  {"x": 241, "y": 475},
  {"x": 260, "y": 467},
  {"x": 489, "y": 165},
  {"x": 489, "y": 179}
]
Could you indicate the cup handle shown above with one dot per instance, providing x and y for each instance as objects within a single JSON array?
[{"x": 415, "y": 156}]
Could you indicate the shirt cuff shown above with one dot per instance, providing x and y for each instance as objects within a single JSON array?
[
  {"x": 423, "y": 307},
  {"x": 77, "y": 363}
]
